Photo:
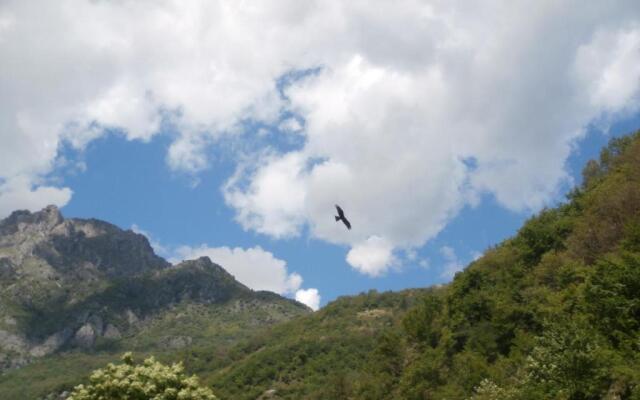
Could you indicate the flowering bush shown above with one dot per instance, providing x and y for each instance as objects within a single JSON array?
[{"x": 150, "y": 380}]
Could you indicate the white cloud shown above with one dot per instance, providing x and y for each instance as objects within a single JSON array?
[
  {"x": 609, "y": 66},
  {"x": 88, "y": 66},
  {"x": 389, "y": 131},
  {"x": 452, "y": 264},
  {"x": 404, "y": 94},
  {"x": 187, "y": 153},
  {"x": 254, "y": 267},
  {"x": 411, "y": 254},
  {"x": 310, "y": 297},
  {"x": 291, "y": 125},
  {"x": 373, "y": 256},
  {"x": 20, "y": 194},
  {"x": 272, "y": 203}
]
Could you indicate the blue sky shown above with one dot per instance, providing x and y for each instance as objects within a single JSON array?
[
  {"x": 129, "y": 183},
  {"x": 230, "y": 129}
]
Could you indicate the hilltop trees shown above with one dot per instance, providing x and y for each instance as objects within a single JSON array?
[{"x": 553, "y": 312}]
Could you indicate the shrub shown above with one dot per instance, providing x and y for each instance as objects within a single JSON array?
[{"x": 146, "y": 381}]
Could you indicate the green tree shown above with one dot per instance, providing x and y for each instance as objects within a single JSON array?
[
  {"x": 543, "y": 233},
  {"x": 146, "y": 381},
  {"x": 488, "y": 390},
  {"x": 423, "y": 322},
  {"x": 571, "y": 361},
  {"x": 613, "y": 299}
]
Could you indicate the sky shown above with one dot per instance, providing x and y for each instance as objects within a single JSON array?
[{"x": 229, "y": 129}]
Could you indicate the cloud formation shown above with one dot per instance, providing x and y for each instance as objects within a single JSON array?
[
  {"x": 20, "y": 193},
  {"x": 452, "y": 103},
  {"x": 452, "y": 263},
  {"x": 415, "y": 108},
  {"x": 372, "y": 256},
  {"x": 310, "y": 297}
]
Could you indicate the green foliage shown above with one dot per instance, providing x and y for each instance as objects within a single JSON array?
[
  {"x": 610, "y": 206},
  {"x": 351, "y": 348},
  {"x": 488, "y": 390},
  {"x": 428, "y": 370},
  {"x": 543, "y": 233},
  {"x": 610, "y": 157},
  {"x": 613, "y": 300},
  {"x": 150, "y": 380},
  {"x": 212, "y": 330},
  {"x": 553, "y": 313},
  {"x": 53, "y": 374},
  {"x": 384, "y": 368},
  {"x": 570, "y": 360},
  {"x": 631, "y": 241},
  {"x": 421, "y": 323}
]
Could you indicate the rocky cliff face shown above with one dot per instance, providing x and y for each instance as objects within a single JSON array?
[
  {"x": 74, "y": 247},
  {"x": 75, "y": 283}
]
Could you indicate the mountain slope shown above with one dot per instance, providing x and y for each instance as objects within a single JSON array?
[
  {"x": 74, "y": 283},
  {"x": 552, "y": 313}
]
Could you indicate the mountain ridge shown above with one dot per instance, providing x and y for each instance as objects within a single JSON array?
[{"x": 74, "y": 283}]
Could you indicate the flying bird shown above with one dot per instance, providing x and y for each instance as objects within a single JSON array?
[{"x": 341, "y": 217}]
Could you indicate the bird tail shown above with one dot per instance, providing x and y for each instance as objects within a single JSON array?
[{"x": 337, "y": 218}]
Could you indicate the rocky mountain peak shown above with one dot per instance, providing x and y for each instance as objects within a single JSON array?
[
  {"x": 43, "y": 220},
  {"x": 71, "y": 283},
  {"x": 203, "y": 266},
  {"x": 50, "y": 215},
  {"x": 84, "y": 248},
  {"x": 203, "y": 263}
]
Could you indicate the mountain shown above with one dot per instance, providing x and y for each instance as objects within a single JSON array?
[
  {"x": 70, "y": 284},
  {"x": 551, "y": 313}
]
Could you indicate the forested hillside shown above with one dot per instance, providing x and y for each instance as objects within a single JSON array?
[{"x": 552, "y": 313}]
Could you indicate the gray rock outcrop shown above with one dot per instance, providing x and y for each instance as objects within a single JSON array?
[{"x": 66, "y": 283}]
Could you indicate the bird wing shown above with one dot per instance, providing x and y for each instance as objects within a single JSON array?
[
  {"x": 340, "y": 212},
  {"x": 346, "y": 222}
]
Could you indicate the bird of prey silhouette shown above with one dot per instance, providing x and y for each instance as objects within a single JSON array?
[{"x": 341, "y": 217}]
